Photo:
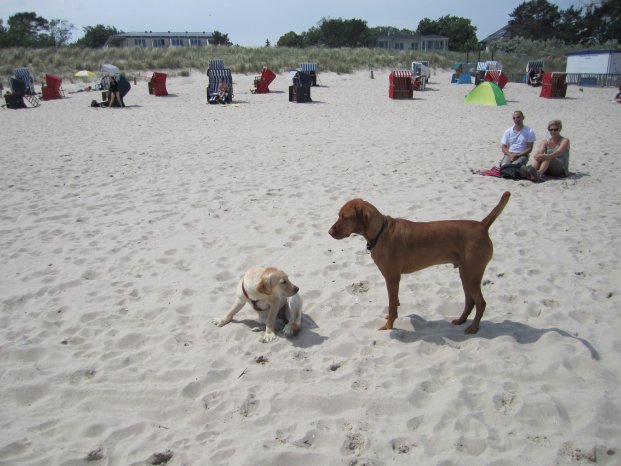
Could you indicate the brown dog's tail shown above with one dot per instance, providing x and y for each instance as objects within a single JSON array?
[{"x": 487, "y": 221}]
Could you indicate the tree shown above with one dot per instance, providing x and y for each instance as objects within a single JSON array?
[
  {"x": 24, "y": 30},
  {"x": 290, "y": 39},
  {"x": 535, "y": 20},
  {"x": 267, "y": 43},
  {"x": 344, "y": 33},
  {"x": 60, "y": 32},
  {"x": 604, "y": 23},
  {"x": 220, "y": 39},
  {"x": 461, "y": 33},
  {"x": 96, "y": 36}
]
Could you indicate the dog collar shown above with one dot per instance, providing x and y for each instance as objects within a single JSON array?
[
  {"x": 252, "y": 301},
  {"x": 371, "y": 244}
]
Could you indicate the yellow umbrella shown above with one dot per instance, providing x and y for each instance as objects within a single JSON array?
[{"x": 84, "y": 74}]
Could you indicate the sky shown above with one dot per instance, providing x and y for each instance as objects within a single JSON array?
[{"x": 251, "y": 23}]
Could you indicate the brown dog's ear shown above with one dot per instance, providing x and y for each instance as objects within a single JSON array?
[
  {"x": 265, "y": 284},
  {"x": 362, "y": 214}
]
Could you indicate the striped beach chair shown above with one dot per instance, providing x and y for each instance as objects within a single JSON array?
[
  {"x": 401, "y": 86},
  {"x": 25, "y": 76},
  {"x": 311, "y": 70},
  {"x": 215, "y": 64},
  {"x": 214, "y": 76},
  {"x": 299, "y": 90}
]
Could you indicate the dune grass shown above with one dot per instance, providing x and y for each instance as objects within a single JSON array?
[{"x": 180, "y": 61}]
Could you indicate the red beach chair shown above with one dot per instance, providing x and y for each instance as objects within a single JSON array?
[
  {"x": 261, "y": 83},
  {"x": 401, "y": 86},
  {"x": 52, "y": 88},
  {"x": 497, "y": 77},
  {"x": 157, "y": 84},
  {"x": 554, "y": 86}
]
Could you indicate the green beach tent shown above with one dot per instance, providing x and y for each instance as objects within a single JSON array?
[{"x": 486, "y": 93}]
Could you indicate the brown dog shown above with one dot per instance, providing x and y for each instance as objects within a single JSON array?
[{"x": 400, "y": 246}]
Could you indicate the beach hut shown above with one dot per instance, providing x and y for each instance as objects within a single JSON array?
[
  {"x": 497, "y": 77},
  {"x": 486, "y": 93}
]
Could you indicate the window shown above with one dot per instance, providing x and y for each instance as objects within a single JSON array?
[
  {"x": 398, "y": 45},
  {"x": 158, "y": 43},
  {"x": 176, "y": 42},
  {"x": 140, "y": 43},
  {"x": 196, "y": 42}
]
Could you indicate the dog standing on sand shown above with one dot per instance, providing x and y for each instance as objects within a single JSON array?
[
  {"x": 401, "y": 246},
  {"x": 270, "y": 293}
]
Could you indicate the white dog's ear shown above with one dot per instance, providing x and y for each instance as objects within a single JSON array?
[{"x": 266, "y": 283}]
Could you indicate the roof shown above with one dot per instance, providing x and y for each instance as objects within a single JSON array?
[
  {"x": 410, "y": 37},
  {"x": 504, "y": 31},
  {"x": 593, "y": 52},
  {"x": 117, "y": 38}
]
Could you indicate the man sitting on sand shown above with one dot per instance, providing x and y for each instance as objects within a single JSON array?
[{"x": 517, "y": 142}]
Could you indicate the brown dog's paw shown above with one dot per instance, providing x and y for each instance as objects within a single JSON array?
[{"x": 472, "y": 329}]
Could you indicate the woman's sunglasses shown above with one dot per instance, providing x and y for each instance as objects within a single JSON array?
[{"x": 553, "y": 129}]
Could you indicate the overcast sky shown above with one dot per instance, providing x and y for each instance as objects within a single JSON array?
[{"x": 250, "y": 22}]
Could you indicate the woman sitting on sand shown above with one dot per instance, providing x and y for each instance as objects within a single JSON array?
[{"x": 553, "y": 155}]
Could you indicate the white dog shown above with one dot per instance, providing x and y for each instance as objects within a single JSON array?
[{"x": 269, "y": 292}]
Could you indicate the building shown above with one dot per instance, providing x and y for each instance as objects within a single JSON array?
[
  {"x": 594, "y": 61},
  {"x": 153, "y": 40},
  {"x": 502, "y": 33},
  {"x": 416, "y": 42}
]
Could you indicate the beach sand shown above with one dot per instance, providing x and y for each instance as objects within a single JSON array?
[{"x": 124, "y": 233}]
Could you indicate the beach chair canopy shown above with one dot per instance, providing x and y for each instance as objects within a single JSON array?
[
  {"x": 17, "y": 86},
  {"x": 300, "y": 78},
  {"x": 215, "y": 64},
  {"x": 536, "y": 65},
  {"x": 25, "y": 76},
  {"x": 486, "y": 93}
]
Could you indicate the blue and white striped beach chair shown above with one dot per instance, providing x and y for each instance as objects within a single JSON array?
[
  {"x": 214, "y": 79},
  {"x": 215, "y": 64},
  {"x": 25, "y": 76},
  {"x": 310, "y": 69}
]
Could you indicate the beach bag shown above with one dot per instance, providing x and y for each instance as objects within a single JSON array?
[
  {"x": 511, "y": 171},
  {"x": 94, "y": 103}
]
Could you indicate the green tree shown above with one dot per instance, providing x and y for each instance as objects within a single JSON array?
[
  {"x": 96, "y": 36},
  {"x": 344, "y": 33},
  {"x": 290, "y": 39},
  {"x": 461, "y": 33},
  {"x": 535, "y": 20},
  {"x": 24, "y": 30},
  {"x": 220, "y": 39},
  {"x": 604, "y": 23}
]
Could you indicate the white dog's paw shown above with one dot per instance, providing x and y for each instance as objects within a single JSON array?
[
  {"x": 291, "y": 328},
  {"x": 268, "y": 337},
  {"x": 220, "y": 322}
]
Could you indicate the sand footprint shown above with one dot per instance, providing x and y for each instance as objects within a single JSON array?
[{"x": 505, "y": 402}]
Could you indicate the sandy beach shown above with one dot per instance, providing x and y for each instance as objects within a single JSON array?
[{"x": 124, "y": 232}]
